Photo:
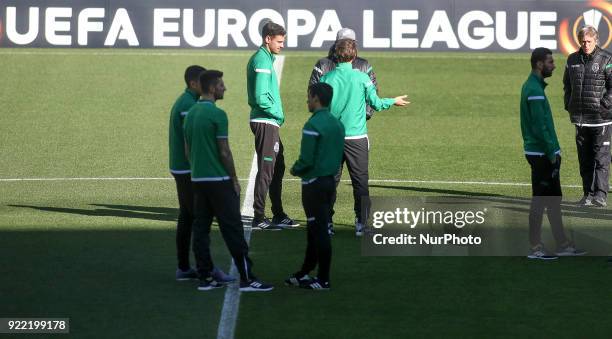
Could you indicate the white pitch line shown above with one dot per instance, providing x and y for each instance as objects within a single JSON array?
[
  {"x": 392, "y": 181},
  {"x": 83, "y": 179},
  {"x": 231, "y": 301}
]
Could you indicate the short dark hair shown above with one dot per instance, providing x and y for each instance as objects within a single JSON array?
[
  {"x": 322, "y": 91},
  {"x": 192, "y": 73},
  {"x": 346, "y": 50},
  {"x": 209, "y": 78},
  {"x": 539, "y": 54},
  {"x": 272, "y": 29}
]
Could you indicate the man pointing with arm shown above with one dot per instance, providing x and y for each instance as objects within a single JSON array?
[{"x": 352, "y": 91}]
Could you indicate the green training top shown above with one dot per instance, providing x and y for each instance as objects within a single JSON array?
[
  {"x": 352, "y": 89},
  {"x": 322, "y": 146},
  {"x": 262, "y": 89},
  {"x": 205, "y": 123},
  {"x": 537, "y": 126},
  {"x": 178, "y": 161}
]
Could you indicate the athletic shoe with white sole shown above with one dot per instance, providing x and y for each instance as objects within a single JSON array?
[
  {"x": 255, "y": 286},
  {"x": 284, "y": 221},
  {"x": 190, "y": 274},
  {"x": 221, "y": 276},
  {"x": 600, "y": 202},
  {"x": 264, "y": 224},
  {"x": 586, "y": 201},
  {"x": 540, "y": 253},
  {"x": 209, "y": 284},
  {"x": 317, "y": 285},
  {"x": 297, "y": 280},
  {"x": 570, "y": 251}
]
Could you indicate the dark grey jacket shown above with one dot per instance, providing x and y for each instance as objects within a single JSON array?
[
  {"x": 327, "y": 64},
  {"x": 587, "y": 84}
]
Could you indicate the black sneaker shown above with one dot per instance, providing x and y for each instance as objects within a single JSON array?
[
  {"x": 599, "y": 202},
  {"x": 209, "y": 284},
  {"x": 586, "y": 201},
  {"x": 330, "y": 228},
  {"x": 284, "y": 221},
  {"x": 264, "y": 225},
  {"x": 297, "y": 280},
  {"x": 255, "y": 286},
  {"x": 190, "y": 274},
  {"x": 315, "y": 284}
]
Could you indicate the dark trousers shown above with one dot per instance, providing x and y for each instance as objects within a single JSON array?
[
  {"x": 270, "y": 169},
  {"x": 546, "y": 195},
  {"x": 356, "y": 152},
  {"x": 317, "y": 200},
  {"x": 218, "y": 199},
  {"x": 593, "y": 145},
  {"x": 185, "y": 219}
]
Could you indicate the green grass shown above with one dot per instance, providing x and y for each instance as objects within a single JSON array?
[{"x": 102, "y": 252}]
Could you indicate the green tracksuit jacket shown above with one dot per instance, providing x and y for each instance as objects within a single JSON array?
[
  {"x": 322, "y": 146},
  {"x": 537, "y": 126},
  {"x": 352, "y": 89},
  {"x": 262, "y": 89}
]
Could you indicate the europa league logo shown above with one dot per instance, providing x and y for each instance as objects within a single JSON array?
[{"x": 598, "y": 15}]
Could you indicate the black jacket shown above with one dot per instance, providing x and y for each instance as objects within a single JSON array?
[
  {"x": 327, "y": 64},
  {"x": 587, "y": 84}
]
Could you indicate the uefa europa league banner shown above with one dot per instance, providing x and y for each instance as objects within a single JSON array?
[{"x": 432, "y": 25}]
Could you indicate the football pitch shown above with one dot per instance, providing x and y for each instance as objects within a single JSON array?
[{"x": 89, "y": 235}]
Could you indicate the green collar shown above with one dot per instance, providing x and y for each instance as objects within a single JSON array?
[
  {"x": 206, "y": 101},
  {"x": 322, "y": 109},
  {"x": 268, "y": 53},
  {"x": 539, "y": 79},
  {"x": 345, "y": 65},
  {"x": 193, "y": 93}
]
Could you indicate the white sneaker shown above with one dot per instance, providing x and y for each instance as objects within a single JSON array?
[
  {"x": 570, "y": 251},
  {"x": 540, "y": 253}
]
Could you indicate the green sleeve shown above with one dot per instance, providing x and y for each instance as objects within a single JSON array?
[
  {"x": 187, "y": 129},
  {"x": 372, "y": 98},
  {"x": 542, "y": 122},
  {"x": 307, "y": 151},
  {"x": 222, "y": 126},
  {"x": 263, "y": 94}
]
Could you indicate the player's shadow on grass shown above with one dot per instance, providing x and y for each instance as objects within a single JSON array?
[
  {"x": 127, "y": 211},
  {"x": 119, "y": 211},
  {"x": 437, "y": 191}
]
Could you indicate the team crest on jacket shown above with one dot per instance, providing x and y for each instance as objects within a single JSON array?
[
  {"x": 595, "y": 67},
  {"x": 276, "y": 147}
]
